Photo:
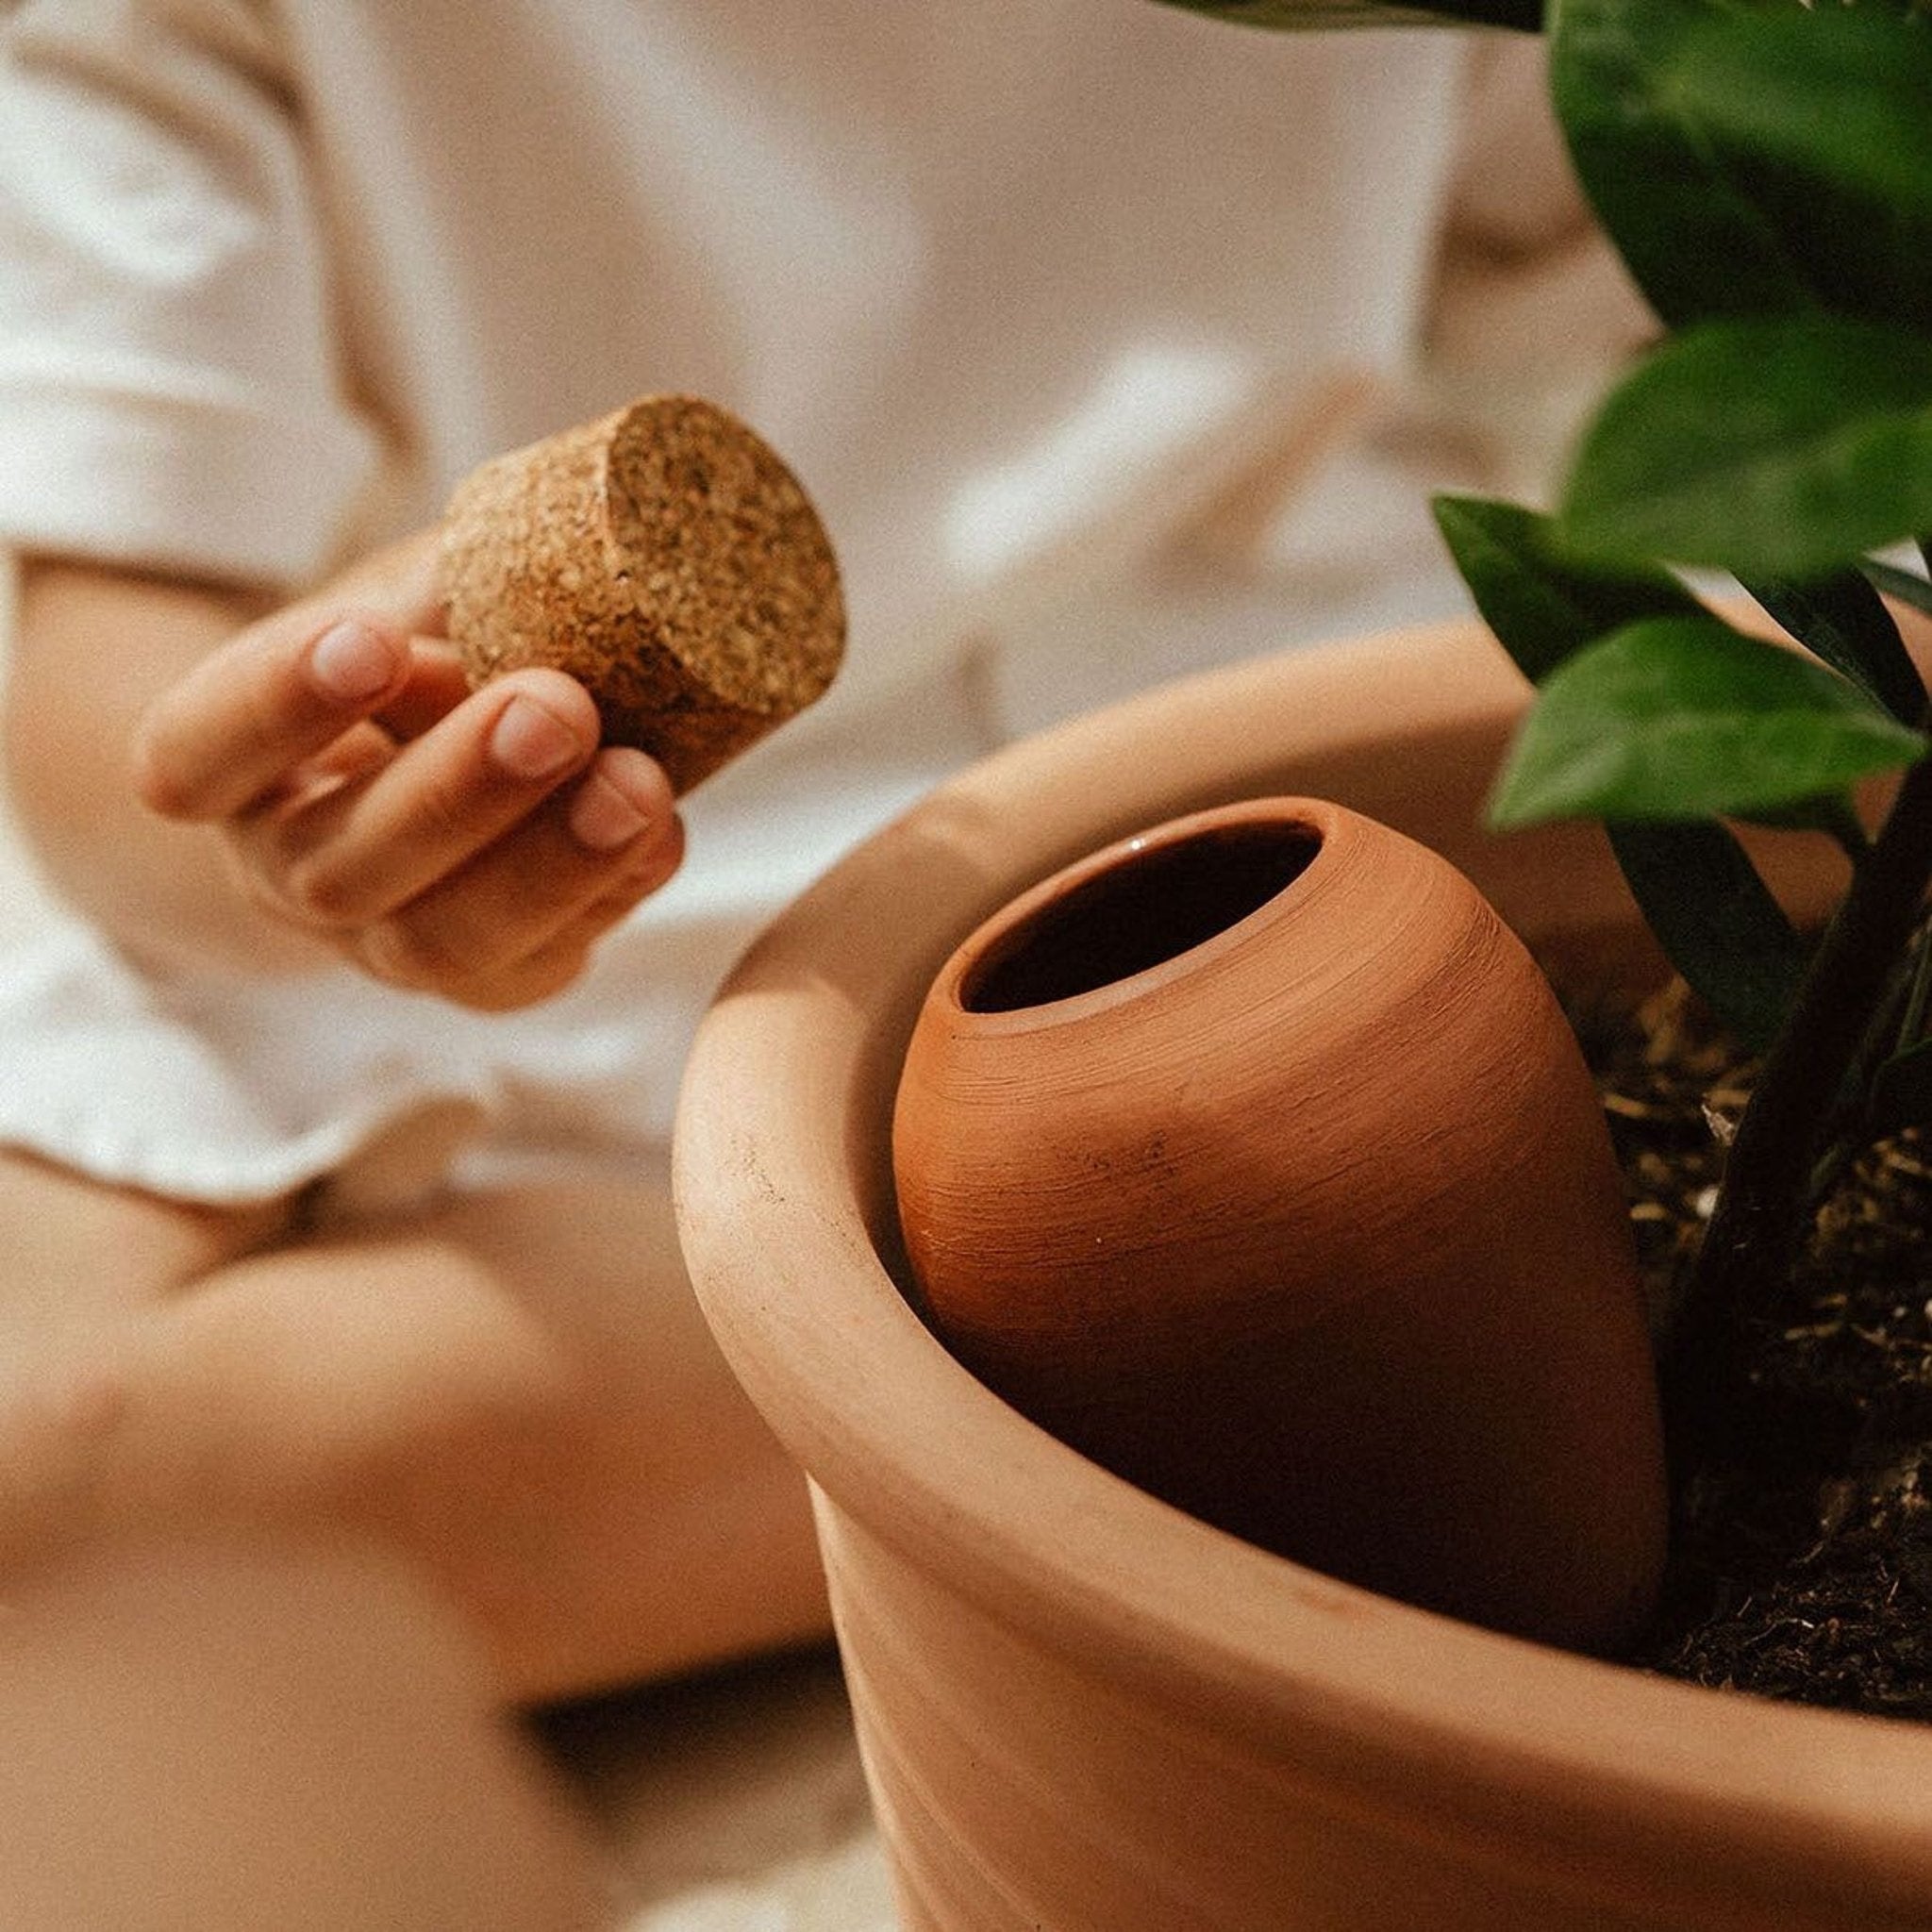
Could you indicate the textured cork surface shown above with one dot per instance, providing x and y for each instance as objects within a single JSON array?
[{"x": 667, "y": 557}]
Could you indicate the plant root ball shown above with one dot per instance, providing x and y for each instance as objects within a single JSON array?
[{"x": 665, "y": 557}]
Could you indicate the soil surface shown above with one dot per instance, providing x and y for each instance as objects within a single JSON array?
[{"x": 1801, "y": 1561}]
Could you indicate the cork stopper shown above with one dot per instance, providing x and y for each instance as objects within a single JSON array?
[{"x": 665, "y": 557}]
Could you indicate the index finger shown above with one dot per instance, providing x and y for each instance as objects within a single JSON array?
[
  {"x": 401, "y": 583},
  {"x": 276, "y": 693}
]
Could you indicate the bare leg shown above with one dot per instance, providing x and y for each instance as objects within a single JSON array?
[
  {"x": 287, "y": 1734},
  {"x": 79, "y": 1260},
  {"x": 516, "y": 1390},
  {"x": 75, "y": 1250}
]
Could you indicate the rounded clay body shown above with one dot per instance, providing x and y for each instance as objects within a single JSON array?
[{"x": 1254, "y": 1158}]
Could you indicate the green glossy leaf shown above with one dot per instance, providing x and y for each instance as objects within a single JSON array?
[
  {"x": 1717, "y": 214},
  {"x": 1697, "y": 240},
  {"x": 1912, "y": 592},
  {"x": 1782, "y": 448},
  {"x": 1824, "y": 114},
  {"x": 1841, "y": 93},
  {"x": 1542, "y": 606},
  {"x": 1716, "y": 920},
  {"x": 1696, "y": 887},
  {"x": 1842, "y": 620},
  {"x": 1682, "y": 718}
]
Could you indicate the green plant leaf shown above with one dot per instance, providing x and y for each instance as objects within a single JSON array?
[
  {"x": 1697, "y": 240},
  {"x": 1841, "y": 93},
  {"x": 1696, "y": 887},
  {"x": 1542, "y": 606},
  {"x": 1715, "y": 213},
  {"x": 1716, "y": 920},
  {"x": 1842, "y": 620},
  {"x": 1684, "y": 718},
  {"x": 1912, "y": 592},
  {"x": 1780, "y": 448}
]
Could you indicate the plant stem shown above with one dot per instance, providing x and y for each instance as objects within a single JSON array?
[
  {"x": 1912, "y": 1022},
  {"x": 1761, "y": 1211}
]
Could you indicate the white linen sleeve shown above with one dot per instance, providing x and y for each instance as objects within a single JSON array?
[{"x": 171, "y": 395}]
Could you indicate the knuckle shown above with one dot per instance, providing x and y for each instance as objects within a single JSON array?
[
  {"x": 318, "y": 893},
  {"x": 656, "y": 865},
  {"x": 670, "y": 847},
  {"x": 265, "y": 894},
  {"x": 529, "y": 984},
  {"x": 261, "y": 882},
  {"x": 441, "y": 810},
  {"x": 158, "y": 782},
  {"x": 269, "y": 707},
  {"x": 401, "y": 954},
  {"x": 622, "y": 899},
  {"x": 549, "y": 977}
]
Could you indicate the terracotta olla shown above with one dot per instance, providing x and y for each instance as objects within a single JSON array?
[
  {"x": 1083, "y": 1710},
  {"x": 1253, "y": 1157}
]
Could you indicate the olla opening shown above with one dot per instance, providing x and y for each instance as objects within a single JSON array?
[{"x": 1153, "y": 904}]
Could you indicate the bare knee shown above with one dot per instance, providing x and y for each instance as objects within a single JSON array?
[
  {"x": 467, "y": 1443},
  {"x": 75, "y": 1250},
  {"x": 332, "y": 1380},
  {"x": 59, "y": 1413}
]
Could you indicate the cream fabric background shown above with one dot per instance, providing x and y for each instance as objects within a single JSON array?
[{"x": 1028, "y": 292}]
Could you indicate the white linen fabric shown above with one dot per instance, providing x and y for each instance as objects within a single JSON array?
[{"x": 1081, "y": 320}]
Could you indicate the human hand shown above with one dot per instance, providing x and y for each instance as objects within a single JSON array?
[{"x": 473, "y": 845}]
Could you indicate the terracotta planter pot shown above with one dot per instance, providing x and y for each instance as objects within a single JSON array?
[
  {"x": 1081, "y": 1709},
  {"x": 1253, "y": 1157}
]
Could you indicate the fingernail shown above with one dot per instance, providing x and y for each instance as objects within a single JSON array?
[
  {"x": 351, "y": 662},
  {"x": 603, "y": 818},
  {"x": 531, "y": 742}
]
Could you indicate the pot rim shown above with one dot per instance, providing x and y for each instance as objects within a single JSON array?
[
  {"x": 983, "y": 950},
  {"x": 787, "y": 1225}
]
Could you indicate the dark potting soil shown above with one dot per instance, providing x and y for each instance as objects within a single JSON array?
[{"x": 1800, "y": 1564}]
